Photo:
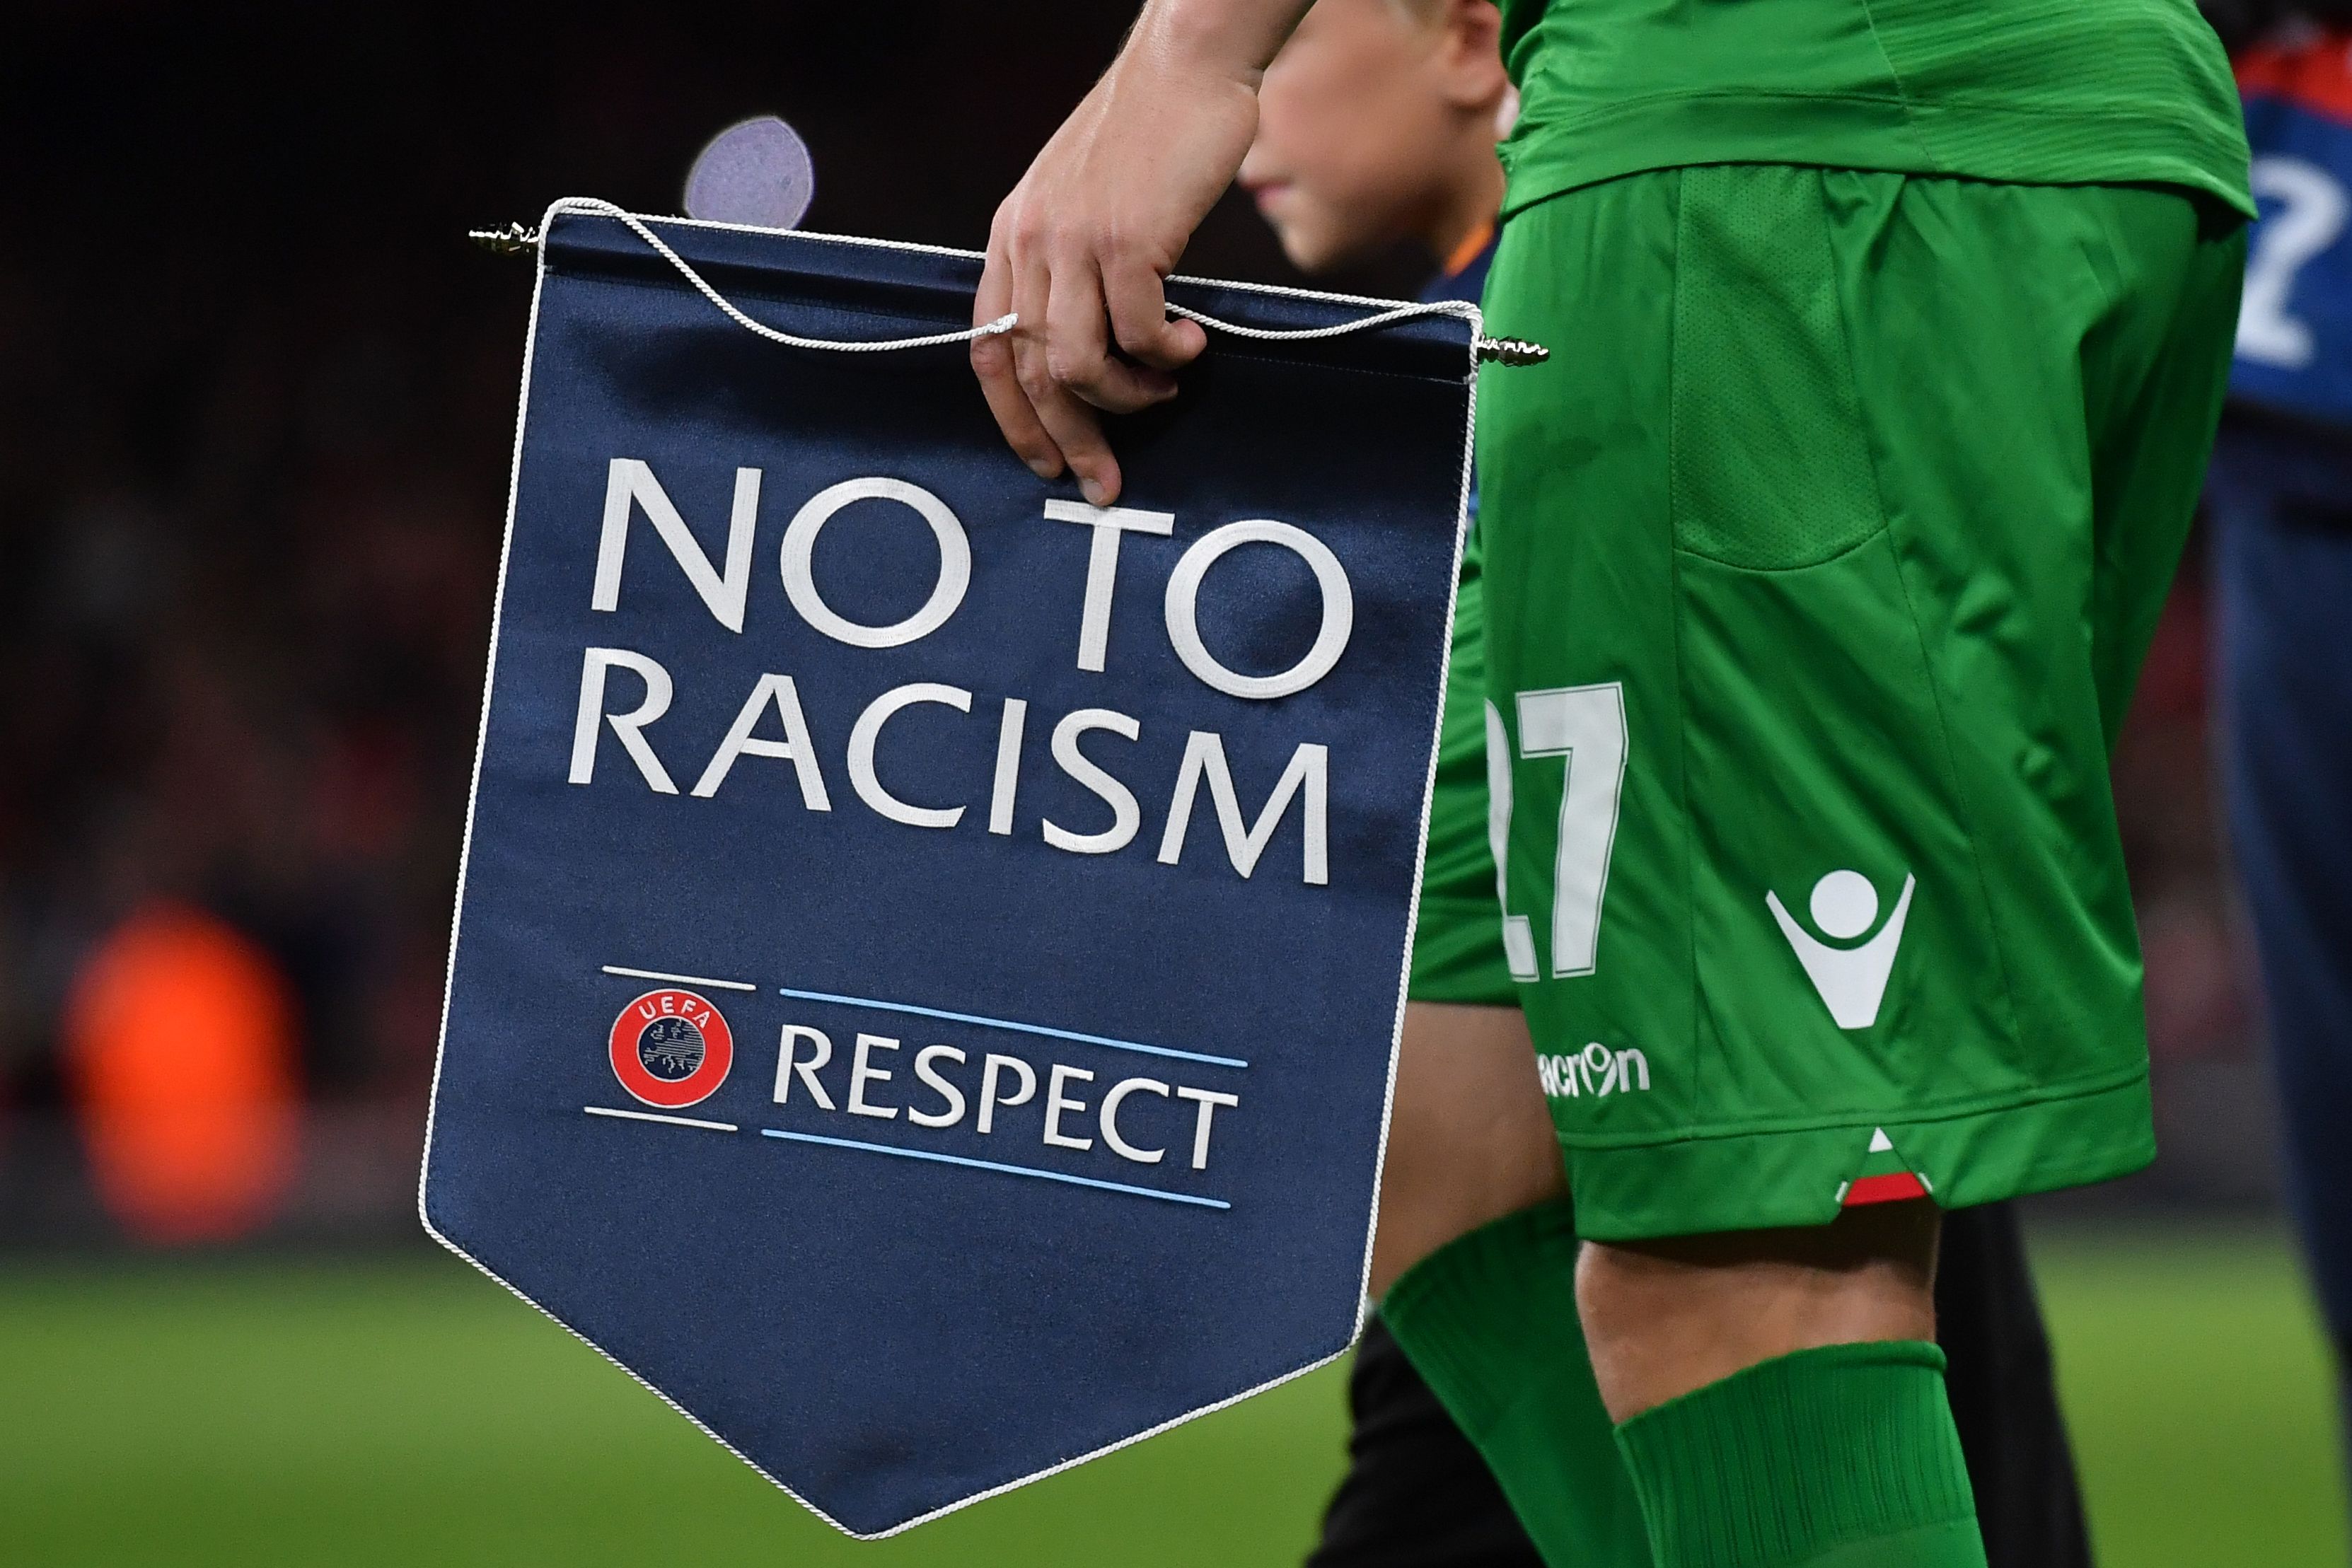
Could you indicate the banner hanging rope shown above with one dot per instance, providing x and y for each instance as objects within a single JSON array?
[{"x": 515, "y": 238}]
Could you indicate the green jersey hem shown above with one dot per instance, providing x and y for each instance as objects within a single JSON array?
[
  {"x": 1755, "y": 1181},
  {"x": 1999, "y": 143}
]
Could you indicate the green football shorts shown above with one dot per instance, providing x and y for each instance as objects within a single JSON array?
[
  {"x": 1457, "y": 948},
  {"x": 1820, "y": 560}
]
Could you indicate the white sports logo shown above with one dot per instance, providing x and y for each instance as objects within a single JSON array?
[
  {"x": 1596, "y": 1070},
  {"x": 1852, "y": 980}
]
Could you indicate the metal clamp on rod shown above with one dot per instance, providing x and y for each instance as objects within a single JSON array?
[
  {"x": 512, "y": 240},
  {"x": 1511, "y": 352}
]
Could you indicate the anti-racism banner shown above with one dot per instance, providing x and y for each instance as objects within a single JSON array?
[{"x": 930, "y": 951}]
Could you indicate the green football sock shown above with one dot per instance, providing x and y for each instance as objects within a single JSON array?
[
  {"x": 1489, "y": 1321},
  {"x": 1839, "y": 1457}
]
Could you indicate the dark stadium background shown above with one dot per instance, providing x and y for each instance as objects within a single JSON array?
[{"x": 257, "y": 394}]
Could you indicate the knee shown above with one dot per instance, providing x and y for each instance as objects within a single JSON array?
[{"x": 1664, "y": 1318}]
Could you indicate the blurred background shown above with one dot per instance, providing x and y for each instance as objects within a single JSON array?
[{"x": 256, "y": 394}]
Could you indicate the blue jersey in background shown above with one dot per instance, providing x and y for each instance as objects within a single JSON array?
[
  {"x": 2294, "y": 330},
  {"x": 2279, "y": 500}
]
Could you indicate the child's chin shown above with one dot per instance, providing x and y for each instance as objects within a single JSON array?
[{"x": 1308, "y": 251}]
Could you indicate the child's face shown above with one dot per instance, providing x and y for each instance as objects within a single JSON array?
[{"x": 1356, "y": 123}]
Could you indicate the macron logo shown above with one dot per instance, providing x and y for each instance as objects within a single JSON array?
[{"x": 1852, "y": 980}]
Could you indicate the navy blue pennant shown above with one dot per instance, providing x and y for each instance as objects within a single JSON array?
[{"x": 930, "y": 951}]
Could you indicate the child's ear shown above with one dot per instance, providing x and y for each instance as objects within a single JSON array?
[{"x": 1473, "y": 51}]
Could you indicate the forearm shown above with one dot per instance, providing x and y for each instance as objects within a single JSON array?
[{"x": 1233, "y": 37}]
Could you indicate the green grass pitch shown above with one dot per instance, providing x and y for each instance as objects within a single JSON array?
[{"x": 404, "y": 1411}]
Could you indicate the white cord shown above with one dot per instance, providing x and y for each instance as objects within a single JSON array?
[
  {"x": 1504, "y": 351},
  {"x": 850, "y": 346},
  {"x": 1510, "y": 350},
  {"x": 1461, "y": 308}
]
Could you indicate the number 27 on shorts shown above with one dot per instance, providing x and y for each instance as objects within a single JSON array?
[{"x": 1584, "y": 727}]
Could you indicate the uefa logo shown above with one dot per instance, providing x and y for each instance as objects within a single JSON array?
[{"x": 671, "y": 1048}]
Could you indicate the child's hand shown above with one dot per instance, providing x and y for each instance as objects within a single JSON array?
[{"x": 1080, "y": 247}]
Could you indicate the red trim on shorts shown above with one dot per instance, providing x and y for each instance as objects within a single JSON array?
[{"x": 1891, "y": 1189}]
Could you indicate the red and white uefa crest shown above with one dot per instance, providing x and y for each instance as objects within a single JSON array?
[{"x": 671, "y": 1048}]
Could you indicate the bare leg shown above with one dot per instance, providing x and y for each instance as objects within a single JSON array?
[
  {"x": 1778, "y": 1398},
  {"x": 1664, "y": 1318},
  {"x": 1469, "y": 1138}
]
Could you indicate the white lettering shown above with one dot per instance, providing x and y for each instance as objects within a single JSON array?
[
  {"x": 630, "y": 726},
  {"x": 1102, "y": 565},
  {"x": 786, "y": 1066},
  {"x": 1125, "y": 815},
  {"x": 1183, "y": 604},
  {"x": 796, "y": 745},
  {"x": 1310, "y": 769},
  {"x": 1111, "y": 1103},
  {"x": 947, "y": 591},
  {"x": 1595, "y": 1071},
  {"x": 861, "y": 1074},
  {"x": 1008, "y": 766},
  {"x": 1209, "y": 1102},
  {"x": 868, "y": 728},
  {"x": 946, "y": 1091},
  {"x": 1056, "y": 1102},
  {"x": 989, "y": 1098},
  {"x": 628, "y": 480}
]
